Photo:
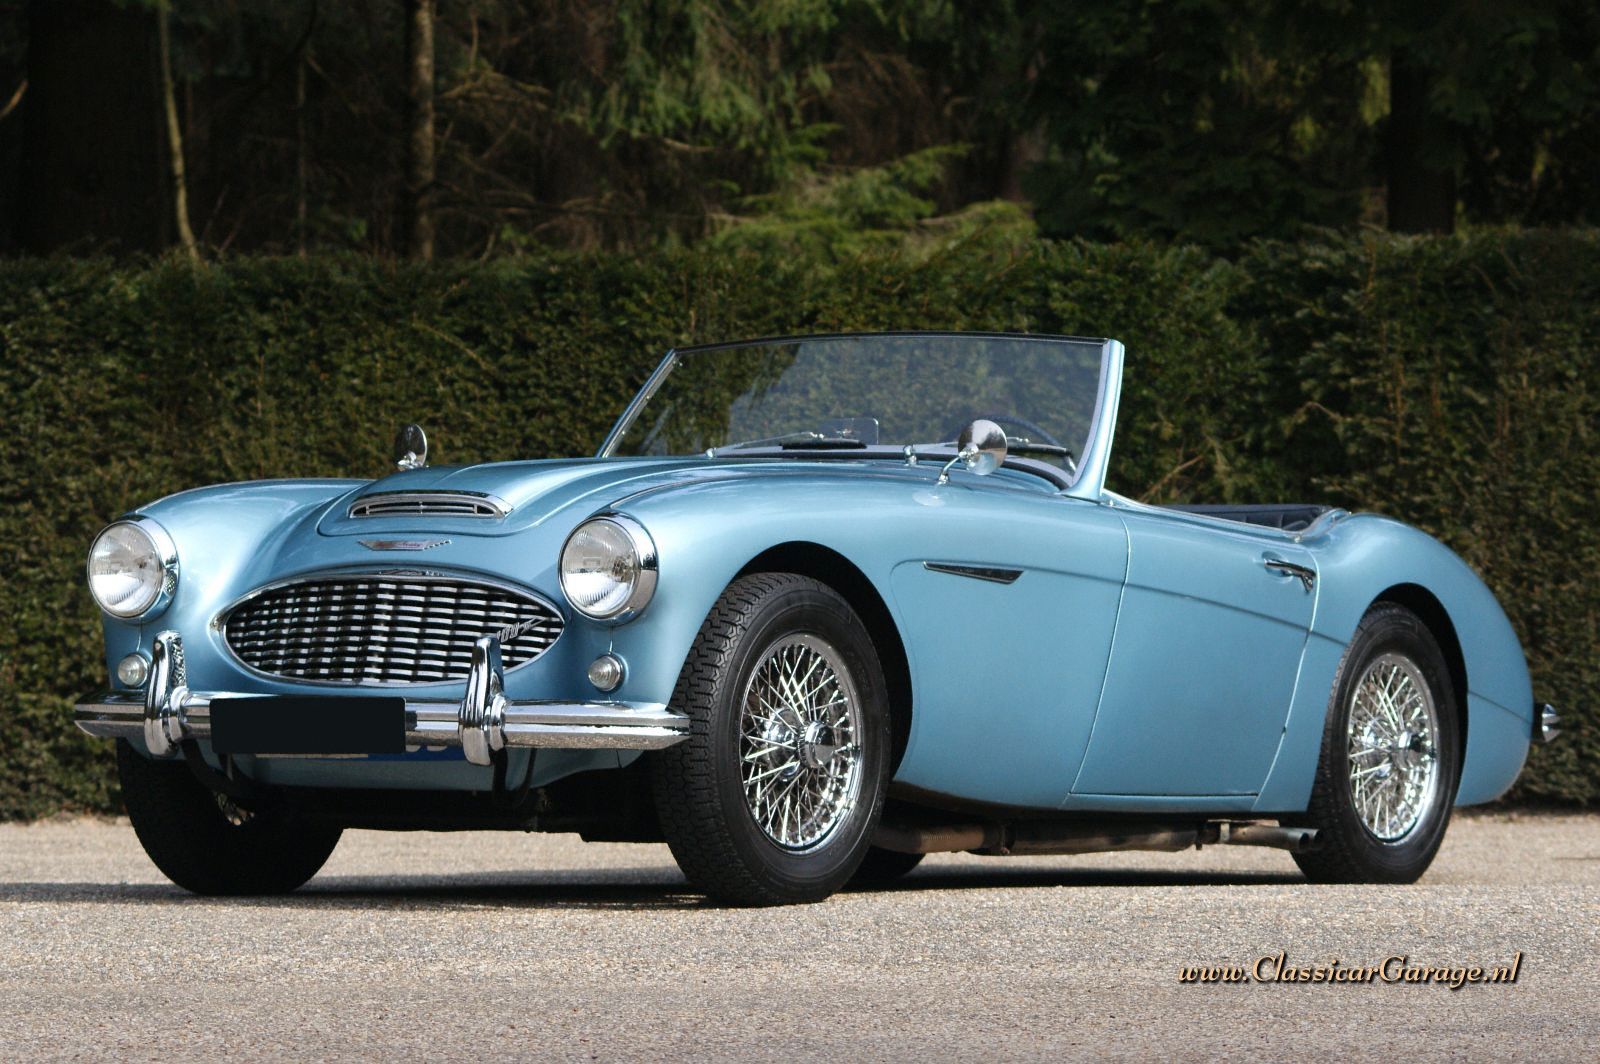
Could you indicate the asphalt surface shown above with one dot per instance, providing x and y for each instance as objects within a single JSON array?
[{"x": 488, "y": 946}]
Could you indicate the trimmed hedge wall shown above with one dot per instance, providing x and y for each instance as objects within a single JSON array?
[{"x": 1450, "y": 382}]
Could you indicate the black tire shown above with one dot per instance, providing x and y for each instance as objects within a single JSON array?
[
  {"x": 1349, "y": 851},
  {"x": 182, "y": 827},
  {"x": 881, "y": 867},
  {"x": 699, "y": 787}
]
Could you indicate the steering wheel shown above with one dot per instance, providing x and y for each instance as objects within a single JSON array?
[{"x": 1038, "y": 434}]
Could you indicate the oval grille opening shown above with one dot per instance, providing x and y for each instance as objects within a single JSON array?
[
  {"x": 430, "y": 504},
  {"x": 386, "y": 629}
]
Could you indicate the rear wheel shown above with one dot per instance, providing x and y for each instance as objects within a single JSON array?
[
  {"x": 211, "y": 846},
  {"x": 1390, "y": 758},
  {"x": 775, "y": 794}
]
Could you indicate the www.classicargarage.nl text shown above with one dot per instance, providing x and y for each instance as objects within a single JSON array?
[{"x": 1399, "y": 968}]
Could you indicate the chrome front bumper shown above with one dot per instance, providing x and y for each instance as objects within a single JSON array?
[{"x": 482, "y": 723}]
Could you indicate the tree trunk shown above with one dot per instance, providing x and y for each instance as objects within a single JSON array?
[
  {"x": 301, "y": 153},
  {"x": 92, "y": 176},
  {"x": 1420, "y": 152},
  {"x": 169, "y": 106},
  {"x": 418, "y": 210}
]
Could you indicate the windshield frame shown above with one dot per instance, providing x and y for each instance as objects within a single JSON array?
[{"x": 1089, "y": 482}]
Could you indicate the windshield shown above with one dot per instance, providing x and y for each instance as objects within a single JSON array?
[{"x": 861, "y": 392}]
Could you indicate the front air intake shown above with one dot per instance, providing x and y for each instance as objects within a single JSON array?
[
  {"x": 386, "y": 628},
  {"x": 429, "y": 504}
]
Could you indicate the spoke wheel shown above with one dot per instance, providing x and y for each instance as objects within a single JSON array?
[
  {"x": 1393, "y": 747},
  {"x": 801, "y": 763},
  {"x": 1390, "y": 756},
  {"x": 775, "y": 794}
]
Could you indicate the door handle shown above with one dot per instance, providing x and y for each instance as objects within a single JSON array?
[{"x": 1306, "y": 575}]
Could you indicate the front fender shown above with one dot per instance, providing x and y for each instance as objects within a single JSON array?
[{"x": 222, "y": 531}]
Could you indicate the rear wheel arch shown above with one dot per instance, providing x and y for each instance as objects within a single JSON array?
[
  {"x": 1422, "y": 602},
  {"x": 828, "y": 566}
]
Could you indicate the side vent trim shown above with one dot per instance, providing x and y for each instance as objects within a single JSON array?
[{"x": 992, "y": 574}]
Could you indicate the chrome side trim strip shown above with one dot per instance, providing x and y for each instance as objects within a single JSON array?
[{"x": 993, "y": 574}]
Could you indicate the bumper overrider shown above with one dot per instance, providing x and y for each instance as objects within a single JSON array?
[
  {"x": 483, "y": 723},
  {"x": 1546, "y": 723}
]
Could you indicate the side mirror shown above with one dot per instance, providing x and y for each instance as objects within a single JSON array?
[
  {"x": 981, "y": 447},
  {"x": 411, "y": 448}
]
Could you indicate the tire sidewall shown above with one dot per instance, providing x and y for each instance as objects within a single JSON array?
[
  {"x": 828, "y": 866},
  {"x": 1399, "y": 632}
]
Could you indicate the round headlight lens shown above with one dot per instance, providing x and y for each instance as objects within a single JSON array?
[
  {"x": 608, "y": 568},
  {"x": 129, "y": 570}
]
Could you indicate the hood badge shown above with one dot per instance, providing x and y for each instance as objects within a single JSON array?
[{"x": 402, "y": 544}]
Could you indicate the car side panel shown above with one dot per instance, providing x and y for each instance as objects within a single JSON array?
[
  {"x": 1359, "y": 558},
  {"x": 1007, "y": 677},
  {"x": 1004, "y": 677}
]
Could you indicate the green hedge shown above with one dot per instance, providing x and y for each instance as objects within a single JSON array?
[{"x": 1449, "y": 382}]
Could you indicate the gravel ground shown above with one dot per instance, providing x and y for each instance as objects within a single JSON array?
[{"x": 498, "y": 945}]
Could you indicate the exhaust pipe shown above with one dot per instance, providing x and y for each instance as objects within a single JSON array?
[{"x": 1296, "y": 840}]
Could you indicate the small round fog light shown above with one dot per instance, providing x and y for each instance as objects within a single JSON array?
[
  {"x": 133, "y": 670},
  {"x": 606, "y": 672}
]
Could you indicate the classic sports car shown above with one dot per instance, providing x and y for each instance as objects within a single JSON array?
[{"x": 819, "y": 606}]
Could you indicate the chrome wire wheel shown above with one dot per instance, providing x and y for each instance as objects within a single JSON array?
[
  {"x": 1393, "y": 746},
  {"x": 799, "y": 746}
]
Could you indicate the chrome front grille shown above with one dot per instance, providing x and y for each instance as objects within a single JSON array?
[
  {"x": 429, "y": 504},
  {"x": 386, "y": 628}
]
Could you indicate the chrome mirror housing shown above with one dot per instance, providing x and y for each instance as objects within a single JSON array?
[
  {"x": 411, "y": 448},
  {"x": 981, "y": 447}
]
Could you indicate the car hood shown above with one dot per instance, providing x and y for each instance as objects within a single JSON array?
[{"x": 532, "y": 492}]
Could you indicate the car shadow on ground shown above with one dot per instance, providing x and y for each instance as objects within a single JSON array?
[
  {"x": 637, "y": 889},
  {"x": 967, "y": 878}
]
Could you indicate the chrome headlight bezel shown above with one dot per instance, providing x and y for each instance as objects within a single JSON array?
[
  {"x": 642, "y": 566},
  {"x": 162, "y": 550}
]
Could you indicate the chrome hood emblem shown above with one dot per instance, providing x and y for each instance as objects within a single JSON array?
[{"x": 402, "y": 544}]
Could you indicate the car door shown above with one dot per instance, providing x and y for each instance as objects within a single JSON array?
[
  {"x": 1205, "y": 658},
  {"x": 1007, "y": 610}
]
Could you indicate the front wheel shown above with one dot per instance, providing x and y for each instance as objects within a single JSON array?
[
  {"x": 213, "y": 847},
  {"x": 1390, "y": 756},
  {"x": 774, "y": 795}
]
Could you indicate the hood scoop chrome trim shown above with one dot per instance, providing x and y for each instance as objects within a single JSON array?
[{"x": 472, "y": 504}]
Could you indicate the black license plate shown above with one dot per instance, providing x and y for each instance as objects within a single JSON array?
[{"x": 296, "y": 724}]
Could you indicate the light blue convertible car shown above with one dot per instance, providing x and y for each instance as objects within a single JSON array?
[{"x": 819, "y": 606}]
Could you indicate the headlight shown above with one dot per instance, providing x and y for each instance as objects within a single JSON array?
[
  {"x": 608, "y": 568},
  {"x": 133, "y": 568}
]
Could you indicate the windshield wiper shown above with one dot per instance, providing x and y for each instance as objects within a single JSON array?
[
  {"x": 1017, "y": 446},
  {"x": 789, "y": 441},
  {"x": 1053, "y": 450}
]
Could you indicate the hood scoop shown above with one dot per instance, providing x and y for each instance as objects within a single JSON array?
[{"x": 430, "y": 504}]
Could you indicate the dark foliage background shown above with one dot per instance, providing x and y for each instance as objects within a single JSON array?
[
  {"x": 586, "y": 124},
  {"x": 1448, "y": 381}
]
